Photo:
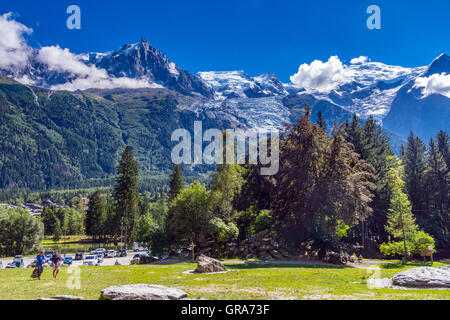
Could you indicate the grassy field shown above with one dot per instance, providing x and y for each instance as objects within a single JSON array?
[{"x": 244, "y": 281}]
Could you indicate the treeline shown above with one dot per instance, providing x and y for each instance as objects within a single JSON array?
[{"x": 337, "y": 188}]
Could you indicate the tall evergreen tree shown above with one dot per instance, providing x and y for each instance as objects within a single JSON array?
[
  {"x": 437, "y": 188},
  {"x": 176, "y": 182},
  {"x": 444, "y": 146},
  {"x": 126, "y": 192},
  {"x": 96, "y": 214},
  {"x": 415, "y": 165},
  {"x": 321, "y": 121},
  {"x": 373, "y": 147}
]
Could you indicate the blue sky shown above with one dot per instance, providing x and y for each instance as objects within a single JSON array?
[{"x": 253, "y": 35}]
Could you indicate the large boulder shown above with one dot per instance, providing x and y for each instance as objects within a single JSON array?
[
  {"x": 209, "y": 265},
  {"x": 144, "y": 260},
  {"x": 142, "y": 292},
  {"x": 426, "y": 277}
]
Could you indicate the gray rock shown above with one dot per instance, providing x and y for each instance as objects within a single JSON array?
[
  {"x": 66, "y": 297},
  {"x": 208, "y": 265},
  {"x": 276, "y": 254},
  {"x": 142, "y": 292},
  {"x": 426, "y": 277}
]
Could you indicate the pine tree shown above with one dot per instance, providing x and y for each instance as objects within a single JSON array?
[
  {"x": 437, "y": 184},
  {"x": 444, "y": 146},
  {"x": 126, "y": 192},
  {"x": 400, "y": 219},
  {"x": 354, "y": 135},
  {"x": 321, "y": 122},
  {"x": 176, "y": 182},
  {"x": 415, "y": 165},
  {"x": 373, "y": 147},
  {"x": 96, "y": 214}
]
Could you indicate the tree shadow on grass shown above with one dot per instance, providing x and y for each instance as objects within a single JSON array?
[
  {"x": 399, "y": 265},
  {"x": 248, "y": 266}
]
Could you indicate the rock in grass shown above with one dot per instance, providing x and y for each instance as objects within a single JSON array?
[
  {"x": 426, "y": 277},
  {"x": 142, "y": 292},
  {"x": 209, "y": 265}
]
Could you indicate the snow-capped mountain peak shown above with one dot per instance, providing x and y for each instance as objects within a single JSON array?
[{"x": 238, "y": 84}]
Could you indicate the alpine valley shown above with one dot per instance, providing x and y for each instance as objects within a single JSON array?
[{"x": 65, "y": 118}]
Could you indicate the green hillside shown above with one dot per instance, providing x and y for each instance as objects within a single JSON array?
[{"x": 60, "y": 139}]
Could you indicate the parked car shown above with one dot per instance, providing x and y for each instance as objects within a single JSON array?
[
  {"x": 122, "y": 253},
  {"x": 16, "y": 264},
  {"x": 110, "y": 254},
  {"x": 90, "y": 260},
  {"x": 68, "y": 261},
  {"x": 99, "y": 258},
  {"x": 93, "y": 252},
  {"x": 79, "y": 256},
  {"x": 101, "y": 251}
]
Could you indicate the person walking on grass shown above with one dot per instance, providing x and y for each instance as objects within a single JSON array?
[
  {"x": 40, "y": 260},
  {"x": 56, "y": 264}
]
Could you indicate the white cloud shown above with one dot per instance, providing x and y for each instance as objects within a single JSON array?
[
  {"x": 434, "y": 84},
  {"x": 360, "y": 60},
  {"x": 14, "y": 52},
  {"x": 104, "y": 83},
  {"x": 321, "y": 76},
  {"x": 63, "y": 60},
  {"x": 87, "y": 77}
]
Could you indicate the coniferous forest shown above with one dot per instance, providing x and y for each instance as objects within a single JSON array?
[{"x": 337, "y": 189}]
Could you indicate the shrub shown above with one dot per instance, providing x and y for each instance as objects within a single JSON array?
[
  {"x": 420, "y": 240},
  {"x": 263, "y": 221},
  {"x": 415, "y": 242},
  {"x": 221, "y": 231}
]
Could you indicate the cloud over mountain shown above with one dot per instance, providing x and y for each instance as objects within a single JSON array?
[
  {"x": 14, "y": 52},
  {"x": 16, "y": 55},
  {"x": 321, "y": 76},
  {"x": 434, "y": 84}
]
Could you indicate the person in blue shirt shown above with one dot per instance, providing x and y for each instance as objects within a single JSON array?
[{"x": 40, "y": 260}]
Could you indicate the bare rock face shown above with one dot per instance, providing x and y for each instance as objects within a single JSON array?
[
  {"x": 425, "y": 277},
  {"x": 209, "y": 265},
  {"x": 142, "y": 292}
]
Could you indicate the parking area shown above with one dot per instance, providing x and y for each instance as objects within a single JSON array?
[{"x": 106, "y": 261}]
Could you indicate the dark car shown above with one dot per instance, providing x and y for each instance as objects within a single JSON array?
[
  {"x": 79, "y": 256},
  {"x": 122, "y": 253}
]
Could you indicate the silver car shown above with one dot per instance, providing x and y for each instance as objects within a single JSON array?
[{"x": 90, "y": 260}]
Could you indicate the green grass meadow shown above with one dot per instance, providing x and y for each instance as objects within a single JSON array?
[{"x": 243, "y": 282}]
